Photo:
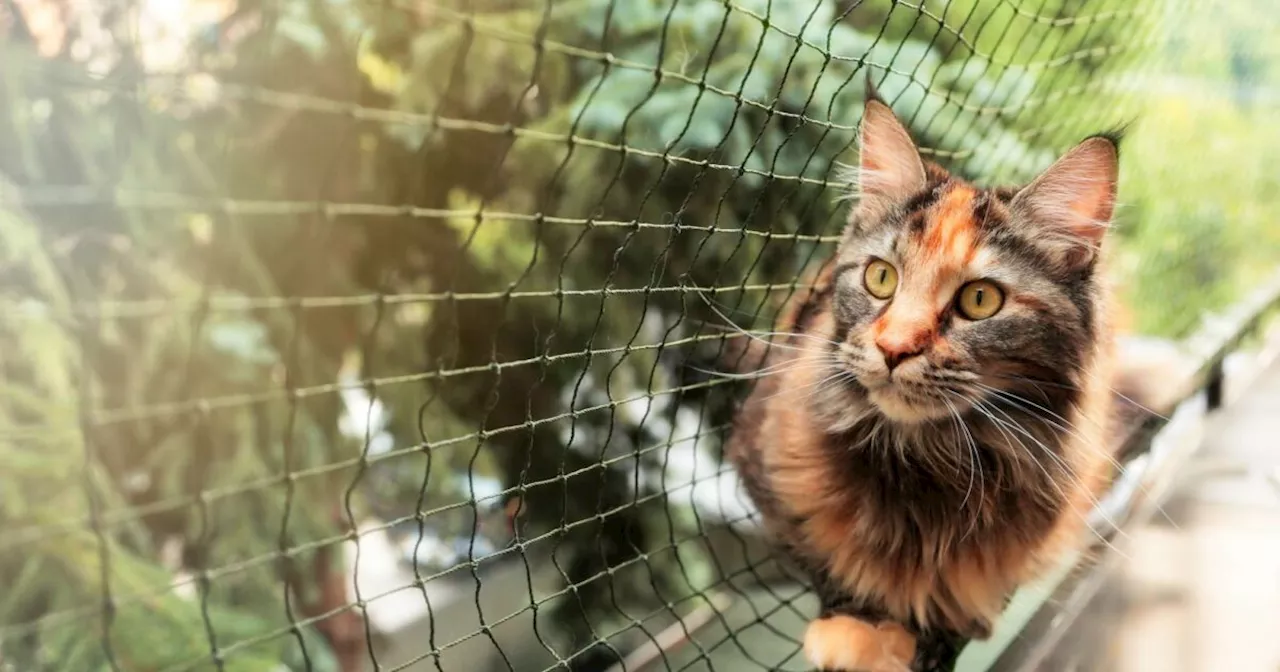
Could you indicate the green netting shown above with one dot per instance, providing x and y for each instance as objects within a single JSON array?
[{"x": 366, "y": 334}]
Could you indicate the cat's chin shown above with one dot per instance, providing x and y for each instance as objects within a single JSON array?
[{"x": 900, "y": 408}]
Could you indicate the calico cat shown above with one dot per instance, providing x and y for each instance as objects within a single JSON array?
[{"x": 933, "y": 428}]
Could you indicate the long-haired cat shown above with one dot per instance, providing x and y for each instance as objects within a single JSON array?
[{"x": 935, "y": 424}]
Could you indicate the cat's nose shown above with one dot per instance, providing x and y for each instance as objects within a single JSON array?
[
  {"x": 904, "y": 332},
  {"x": 895, "y": 356}
]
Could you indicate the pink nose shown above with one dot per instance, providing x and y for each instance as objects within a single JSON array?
[
  {"x": 899, "y": 345},
  {"x": 892, "y": 357}
]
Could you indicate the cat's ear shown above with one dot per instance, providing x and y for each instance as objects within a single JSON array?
[
  {"x": 1071, "y": 204},
  {"x": 890, "y": 169}
]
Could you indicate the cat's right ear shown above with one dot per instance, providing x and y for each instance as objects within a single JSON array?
[
  {"x": 1071, "y": 204},
  {"x": 890, "y": 169}
]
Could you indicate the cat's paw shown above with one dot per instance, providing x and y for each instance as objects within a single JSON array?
[{"x": 843, "y": 643}]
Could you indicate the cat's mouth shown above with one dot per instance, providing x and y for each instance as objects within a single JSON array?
[
  {"x": 909, "y": 402},
  {"x": 906, "y": 395}
]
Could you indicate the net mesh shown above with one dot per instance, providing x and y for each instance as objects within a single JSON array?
[{"x": 387, "y": 335}]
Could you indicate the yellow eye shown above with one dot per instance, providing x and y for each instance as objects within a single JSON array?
[
  {"x": 881, "y": 279},
  {"x": 979, "y": 300}
]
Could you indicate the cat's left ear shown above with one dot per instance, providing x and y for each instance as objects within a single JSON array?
[
  {"x": 1071, "y": 204},
  {"x": 891, "y": 169}
]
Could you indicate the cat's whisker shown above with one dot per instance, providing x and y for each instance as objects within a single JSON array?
[
  {"x": 755, "y": 375},
  {"x": 819, "y": 368},
  {"x": 1036, "y": 382},
  {"x": 979, "y": 407},
  {"x": 840, "y": 372},
  {"x": 1097, "y": 449},
  {"x": 1035, "y": 408},
  {"x": 1126, "y": 398},
  {"x": 1014, "y": 424},
  {"x": 824, "y": 385},
  {"x": 1000, "y": 424},
  {"x": 729, "y": 325},
  {"x": 812, "y": 390},
  {"x": 1023, "y": 403},
  {"x": 985, "y": 408},
  {"x": 1013, "y": 398},
  {"x": 773, "y": 369},
  {"x": 975, "y": 463},
  {"x": 1067, "y": 470},
  {"x": 756, "y": 336},
  {"x": 793, "y": 334}
]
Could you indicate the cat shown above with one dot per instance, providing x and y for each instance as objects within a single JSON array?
[{"x": 931, "y": 429}]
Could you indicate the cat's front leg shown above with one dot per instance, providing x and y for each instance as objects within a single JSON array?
[{"x": 839, "y": 642}]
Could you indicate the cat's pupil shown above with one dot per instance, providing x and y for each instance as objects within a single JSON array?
[
  {"x": 884, "y": 275},
  {"x": 977, "y": 297}
]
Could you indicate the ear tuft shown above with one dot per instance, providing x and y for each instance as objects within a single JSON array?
[
  {"x": 890, "y": 169},
  {"x": 1071, "y": 204},
  {"x": 1115, "y": 135}
]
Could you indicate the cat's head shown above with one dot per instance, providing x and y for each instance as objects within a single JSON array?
[{"x": 946, "y": 292}]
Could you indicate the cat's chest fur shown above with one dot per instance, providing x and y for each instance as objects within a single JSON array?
[{"x": 932, "y": 526}]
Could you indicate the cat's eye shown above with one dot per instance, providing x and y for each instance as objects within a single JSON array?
[
  {"x": 979, "y": 300},
  {"x": 880, "y": 278}
]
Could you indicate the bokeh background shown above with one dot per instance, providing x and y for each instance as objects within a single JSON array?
[{"x": 356, "y": 334}]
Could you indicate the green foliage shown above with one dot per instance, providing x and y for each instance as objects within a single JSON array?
[
  {"x": 1196, "y": 224},
  {"x": 98, "y": 412}
]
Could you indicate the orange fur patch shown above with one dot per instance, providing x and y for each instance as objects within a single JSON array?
[
  {"x": 846, "y": 643},
  {"x": 953, "y": 233}
]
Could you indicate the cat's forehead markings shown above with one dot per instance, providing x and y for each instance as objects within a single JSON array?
[
  {"x": 946, "y": 251},
  {"x": 951, "y": 233}
]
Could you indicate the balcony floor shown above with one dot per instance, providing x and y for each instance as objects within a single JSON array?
[{"x": 1200, "y": 590}]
